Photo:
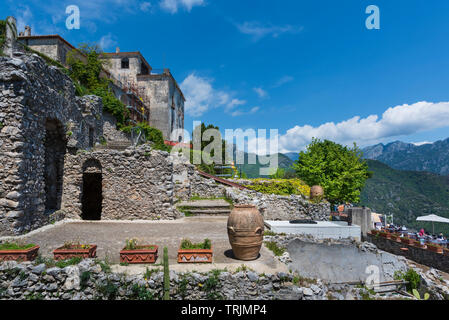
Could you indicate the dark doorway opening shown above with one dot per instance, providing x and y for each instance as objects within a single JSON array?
[
  {"x": 55, "y": 149},
  {"x": 91, "y": 137},
  {"x": 92, "y": 196}
]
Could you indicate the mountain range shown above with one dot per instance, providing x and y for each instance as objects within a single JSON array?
[
  {"x": 431, "y": 157},
  {"x": 407, "y": 195}
]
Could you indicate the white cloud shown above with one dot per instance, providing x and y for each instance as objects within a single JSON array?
[
  {"x": 201, "y": 96},
  {"x": 145, "y": 6},
  {"x": 173, "y": 6},
  {"x": 282, "y": 81},
  {"x": 107, "y": 42},
  {"x": 397, "y": 121},
  {"x": 237, "y": 113},
  {"x": 261, "y": 92},
  {"x": 258, "y": 30},
  {"x": 422, "y": 143}
]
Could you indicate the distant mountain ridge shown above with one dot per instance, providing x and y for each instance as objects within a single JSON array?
[
  {"x": 407, "y": 195},
  {"x": 432, "y": 157}
]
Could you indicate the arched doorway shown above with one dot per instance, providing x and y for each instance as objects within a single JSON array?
[
  {"x": 55, "y": 149},
  {"x": 92, "y": 190}
]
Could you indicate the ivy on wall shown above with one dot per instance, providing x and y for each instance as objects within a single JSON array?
[{"x": 2, "y": 35}]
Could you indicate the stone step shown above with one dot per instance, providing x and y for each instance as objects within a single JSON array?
[
  {"x": 116, "y": 145},
  {"x": 210, "y": 212},
  {"x": 206, "y": 207}
]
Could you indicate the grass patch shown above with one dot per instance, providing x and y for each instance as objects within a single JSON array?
[
  {"x": 272, "y": 245},
  {"x": 149, "y": 272},
  {"x": 15, "y": 246}
]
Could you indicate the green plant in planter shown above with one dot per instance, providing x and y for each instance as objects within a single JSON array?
[
  {"x": 131, "y": 244},
  {"x": 186, "y": 244},
  {"x": 418, "y": 296},
  {"x": 15, "y": 246}
]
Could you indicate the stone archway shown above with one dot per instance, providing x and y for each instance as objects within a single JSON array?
[
  {"x": 55, "y": 149},
  {"x": 92, "y": 190}
]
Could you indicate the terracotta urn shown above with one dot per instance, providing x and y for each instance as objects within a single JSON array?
[
  {"x": 245, "y": 232},
  {"x": 316, "y": 192}
]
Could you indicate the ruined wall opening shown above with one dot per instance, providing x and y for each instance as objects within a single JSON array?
[
  {"x": 92, "y": 191},
  {"x": 91, "y": 137},
  {"x": 55, "y": 149}
]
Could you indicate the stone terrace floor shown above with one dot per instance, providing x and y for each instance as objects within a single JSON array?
[{"x": 110, "y": 237}]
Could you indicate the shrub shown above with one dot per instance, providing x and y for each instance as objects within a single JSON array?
[
  {"x": 280, "y": 186},
  {"x": 411, "y": 276},
  {"x": 151, "y": 134}
]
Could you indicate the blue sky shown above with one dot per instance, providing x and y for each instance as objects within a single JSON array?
[{"x": 306, "y": 68}]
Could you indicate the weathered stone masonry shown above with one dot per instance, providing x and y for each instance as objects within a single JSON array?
[
  {"x": 40, "y": 118},
  {"x": 134, "y": 184}
]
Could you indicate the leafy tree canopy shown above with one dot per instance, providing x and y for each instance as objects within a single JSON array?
[{"x": 338, "y": 169}]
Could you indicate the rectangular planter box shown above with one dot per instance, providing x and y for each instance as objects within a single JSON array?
[
  {"x": 385, "y": 235},
  {"x": 395, "y": 237},
  {"x": 419, "y": 245},
  {"x": 19, "y": 255},
  {"x": 407, "y": 241},
  {"x": 63, "y": 254},
  {"x": 435, "y": 249},
  {"x": 195, "y": 256},
  {"x": 142, "y": 254}
]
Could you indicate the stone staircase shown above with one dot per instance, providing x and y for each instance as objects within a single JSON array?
[
  {"x": 115, "y": 145},
  {"x": 217, "y": 207}
]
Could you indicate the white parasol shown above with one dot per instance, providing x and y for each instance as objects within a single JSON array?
[{"x": 433, "y": 218}]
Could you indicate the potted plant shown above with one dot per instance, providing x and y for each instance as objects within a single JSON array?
[
  {"x": 374, "y": 232},
  {"x": 396, "y": 237},
  {"x": 195, "y": 252},
  {"x": 446, "y": 251},
  {"x": 407, "y": 240},
  {"x": 385, "y": 234},
  {"x": 418, "y": 244},
  {"x": 134, "y": 253},
  {"x": 434, "y": 248},
  {"x": 18, "y": 251},
  {"x": 75, "y": 250}
]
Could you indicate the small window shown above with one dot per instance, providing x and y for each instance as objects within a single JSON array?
[{"x": 125, "y": 63}]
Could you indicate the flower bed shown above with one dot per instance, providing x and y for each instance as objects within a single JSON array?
[
  {"x": 195, "y": 252},
  {"x": 18, "y": 252},
  {"x": 70, "y": 250}
]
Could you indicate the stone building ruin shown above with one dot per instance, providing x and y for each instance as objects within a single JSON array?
[{"x": 53, "y": 164}]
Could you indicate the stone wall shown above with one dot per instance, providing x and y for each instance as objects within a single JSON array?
[
  {"x": 37, "y": 101},
  {"x": 87, "y": 281},
  {"x": 275, "y": 207},
  {"x": 422, "y": 256},
  {"x": 136, "y": 184},
  {"x": 110, "y": 132}
]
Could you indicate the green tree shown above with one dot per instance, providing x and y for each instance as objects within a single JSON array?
[
  {"x": 203, "y": 166},
  {"x": 338, "y": 169}
]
